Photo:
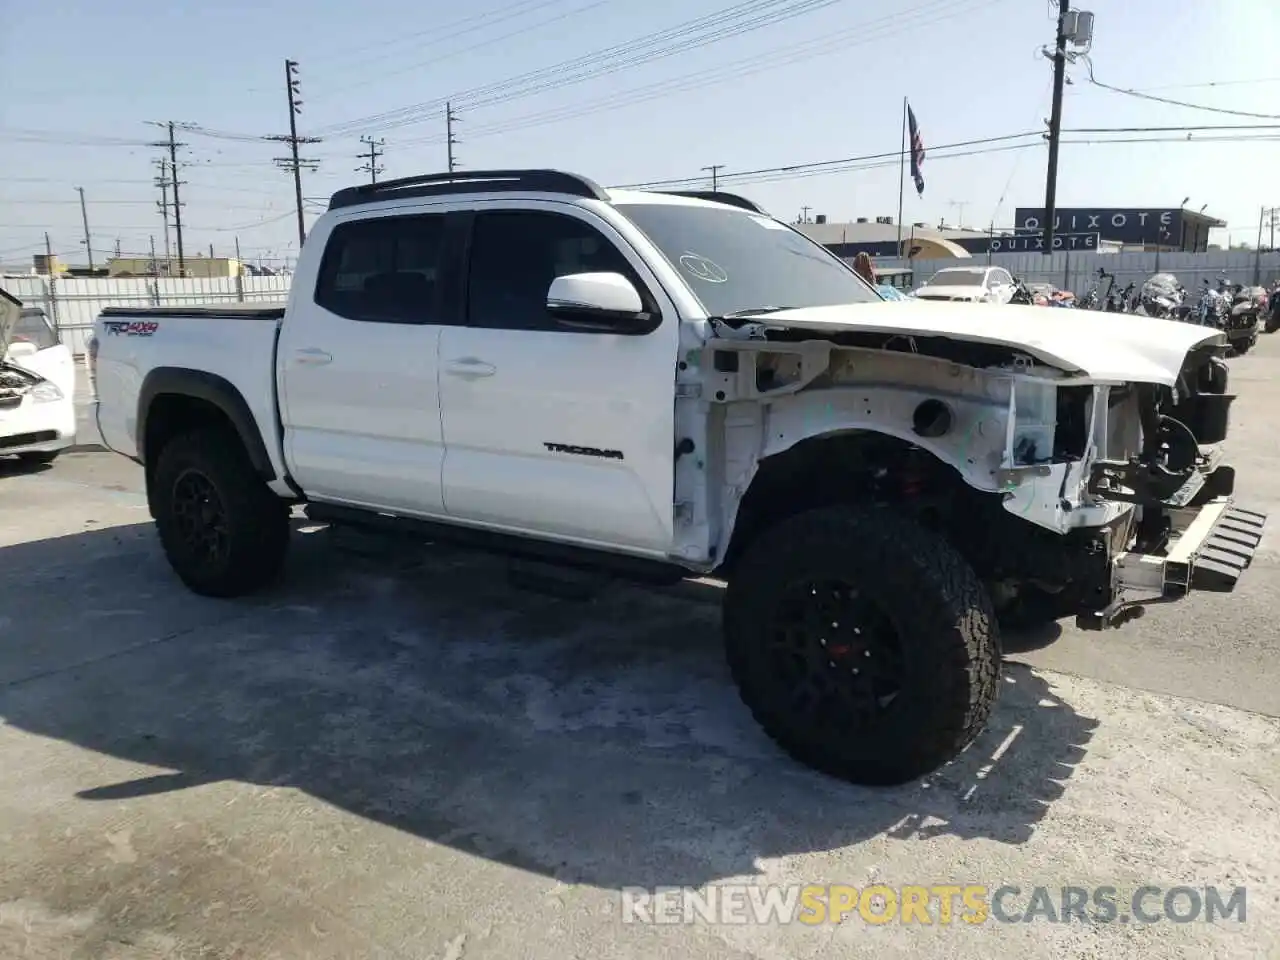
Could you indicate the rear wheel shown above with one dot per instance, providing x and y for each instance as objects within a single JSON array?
[
  {"x": 223, "y": 531},
  {"x": 863, "y": 644}
]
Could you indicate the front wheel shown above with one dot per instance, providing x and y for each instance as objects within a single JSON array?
[
  {"x": 864, "y": 645},
  {"x": 224, "y": 532}
]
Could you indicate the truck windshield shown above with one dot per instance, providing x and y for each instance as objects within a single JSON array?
[{"x": 737, "y": 262}]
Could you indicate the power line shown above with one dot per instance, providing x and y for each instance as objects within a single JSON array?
[
  {"x": 442, "y": 33},
  {"x": 382, "y": 74},
  {"x": 805, "y": 51},
  {"x": 820, "y": 164},
  {"x": 1176, "y": 103},
  {"x": 729, "y": 21}
]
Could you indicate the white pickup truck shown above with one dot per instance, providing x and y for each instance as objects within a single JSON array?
[{"x": 668, "y": 385}]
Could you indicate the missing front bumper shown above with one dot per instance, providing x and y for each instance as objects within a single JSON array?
[{"x": 1214, "y": 546}]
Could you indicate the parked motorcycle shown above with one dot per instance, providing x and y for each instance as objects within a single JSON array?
[
  {"x": 1273, "y": 314},
  {"x": 1247, "y": 307},
  {"x": 1161, "y": 296},
  {"x": 1119, "y": 302},
  {"x": 1212, "y": 308},
  {"x": 1022, "y": 295}
]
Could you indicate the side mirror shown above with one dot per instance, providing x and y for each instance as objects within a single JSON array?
[{"x": 602, "y": 302}]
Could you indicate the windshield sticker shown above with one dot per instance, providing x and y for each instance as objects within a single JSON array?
[
  {"x": 768, "y": 222},
  {"x": 703, "y": 269}
]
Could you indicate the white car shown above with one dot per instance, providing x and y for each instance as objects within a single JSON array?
[
  {"x": 969, "y": 285},
  {"x": 37, "y": 385}
]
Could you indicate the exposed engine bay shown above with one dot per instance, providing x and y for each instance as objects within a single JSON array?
[{"x": 1061, "y": 472}]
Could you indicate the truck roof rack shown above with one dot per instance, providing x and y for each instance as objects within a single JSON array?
[
  {"x": 472, "y": 181},
  {"x": 717, "y": 196}
]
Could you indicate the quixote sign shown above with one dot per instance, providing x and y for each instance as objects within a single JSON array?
[
  {"x": 1124, "y": 224},
  {"x": 1029, "y": 242}
]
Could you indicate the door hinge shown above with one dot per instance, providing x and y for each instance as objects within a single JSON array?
[
  {"x": 683, "y": 512},
  {"x": 688, "y": 391}
]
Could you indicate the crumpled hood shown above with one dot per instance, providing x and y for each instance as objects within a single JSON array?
[
  {"x": 10, "y": 311},
  {"x": 1092, "y": 343}
]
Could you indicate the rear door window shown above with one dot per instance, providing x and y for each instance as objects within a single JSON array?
[{"x": 384, "y": 270}]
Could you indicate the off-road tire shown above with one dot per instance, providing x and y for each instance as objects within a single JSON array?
[
  {"x": 1272, "y": 324},
  {"x": 256, "y": 521},
  {"x": 941, "y": 613},
  {"x": 39, "y": 457}
]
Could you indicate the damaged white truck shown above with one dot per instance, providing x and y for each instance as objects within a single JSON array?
[{"x": 666, "y": 385}]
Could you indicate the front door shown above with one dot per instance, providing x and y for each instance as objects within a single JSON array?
[
  {"x": 552, "y": 431},
  {"x": 357, "y": 361}
]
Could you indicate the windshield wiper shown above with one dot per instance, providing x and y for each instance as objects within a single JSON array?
[{"x": 750, "y": 312}]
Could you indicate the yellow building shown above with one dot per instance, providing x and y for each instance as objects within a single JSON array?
[
  {"x": 195, "y": 266},
  {"x": 46, "y": 265}
]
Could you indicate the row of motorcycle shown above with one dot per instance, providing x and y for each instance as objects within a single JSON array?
[{"x": 1236, "y": 309}]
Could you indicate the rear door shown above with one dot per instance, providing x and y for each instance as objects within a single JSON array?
[
  {"x": 557, "y": 432},
  {"x": 357, "y": 364},
  {"x": 36, "y": 346}
]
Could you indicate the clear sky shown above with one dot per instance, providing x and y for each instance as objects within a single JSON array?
[{"x": 623, "y": 92}]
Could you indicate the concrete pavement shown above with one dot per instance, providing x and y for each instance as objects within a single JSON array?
[{"x": 402, "y": 756}]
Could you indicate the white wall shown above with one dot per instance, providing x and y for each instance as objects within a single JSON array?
[{"x": 76, "y": 302}]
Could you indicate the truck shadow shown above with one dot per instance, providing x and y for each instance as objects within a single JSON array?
[{"x": 600, "y": 742}]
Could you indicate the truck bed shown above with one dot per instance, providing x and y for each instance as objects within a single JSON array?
[
  {"x": 240, "y": 311},
  {"x": 228, "y": 348}
]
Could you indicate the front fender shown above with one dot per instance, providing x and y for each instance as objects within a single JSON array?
[{"x": 973, "y": 442}]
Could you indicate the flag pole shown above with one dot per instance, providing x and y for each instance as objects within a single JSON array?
[{"x": 902, "y": 171}]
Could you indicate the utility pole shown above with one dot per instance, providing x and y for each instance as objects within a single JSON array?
[
  {"x": 117, "y": 248},
  {"x": 84, "y": 217},
  {"x": 1055, "y": 125},
  {"x": 163, "y": 183},
  {"x": 804, "y": 214},
  {"x": 371, "y": 168},
  {"x": 714, "y": 170},
  {"x": 293, "y": 161},
  {"x": 960, "y": 204},
  {"x": 155, "y": 271},
  {"x": 177, "y": 203},
  {"x": 450, "y": 118}
]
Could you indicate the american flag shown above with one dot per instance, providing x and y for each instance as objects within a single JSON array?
[{"x": 917, "y": 151}]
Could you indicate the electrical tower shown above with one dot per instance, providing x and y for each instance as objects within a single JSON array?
[
  {"x": 450, "y": 118},
  {"x": 375, "y": 151},
  {"x": 293, "y": 161},
  {"x": 172, "y": 145}
]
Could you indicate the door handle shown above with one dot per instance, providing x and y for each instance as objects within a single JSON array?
[
  {"x": 470, "y": 368},
  {"x": 312, "y": 356}
]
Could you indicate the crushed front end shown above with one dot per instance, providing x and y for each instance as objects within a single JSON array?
[{"x": 1185, "y": 531}]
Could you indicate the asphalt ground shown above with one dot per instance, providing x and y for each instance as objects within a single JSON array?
[{"x": 396, "y": 753}]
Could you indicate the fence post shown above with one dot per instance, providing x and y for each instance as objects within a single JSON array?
[{"x": 51, "y": 301}]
